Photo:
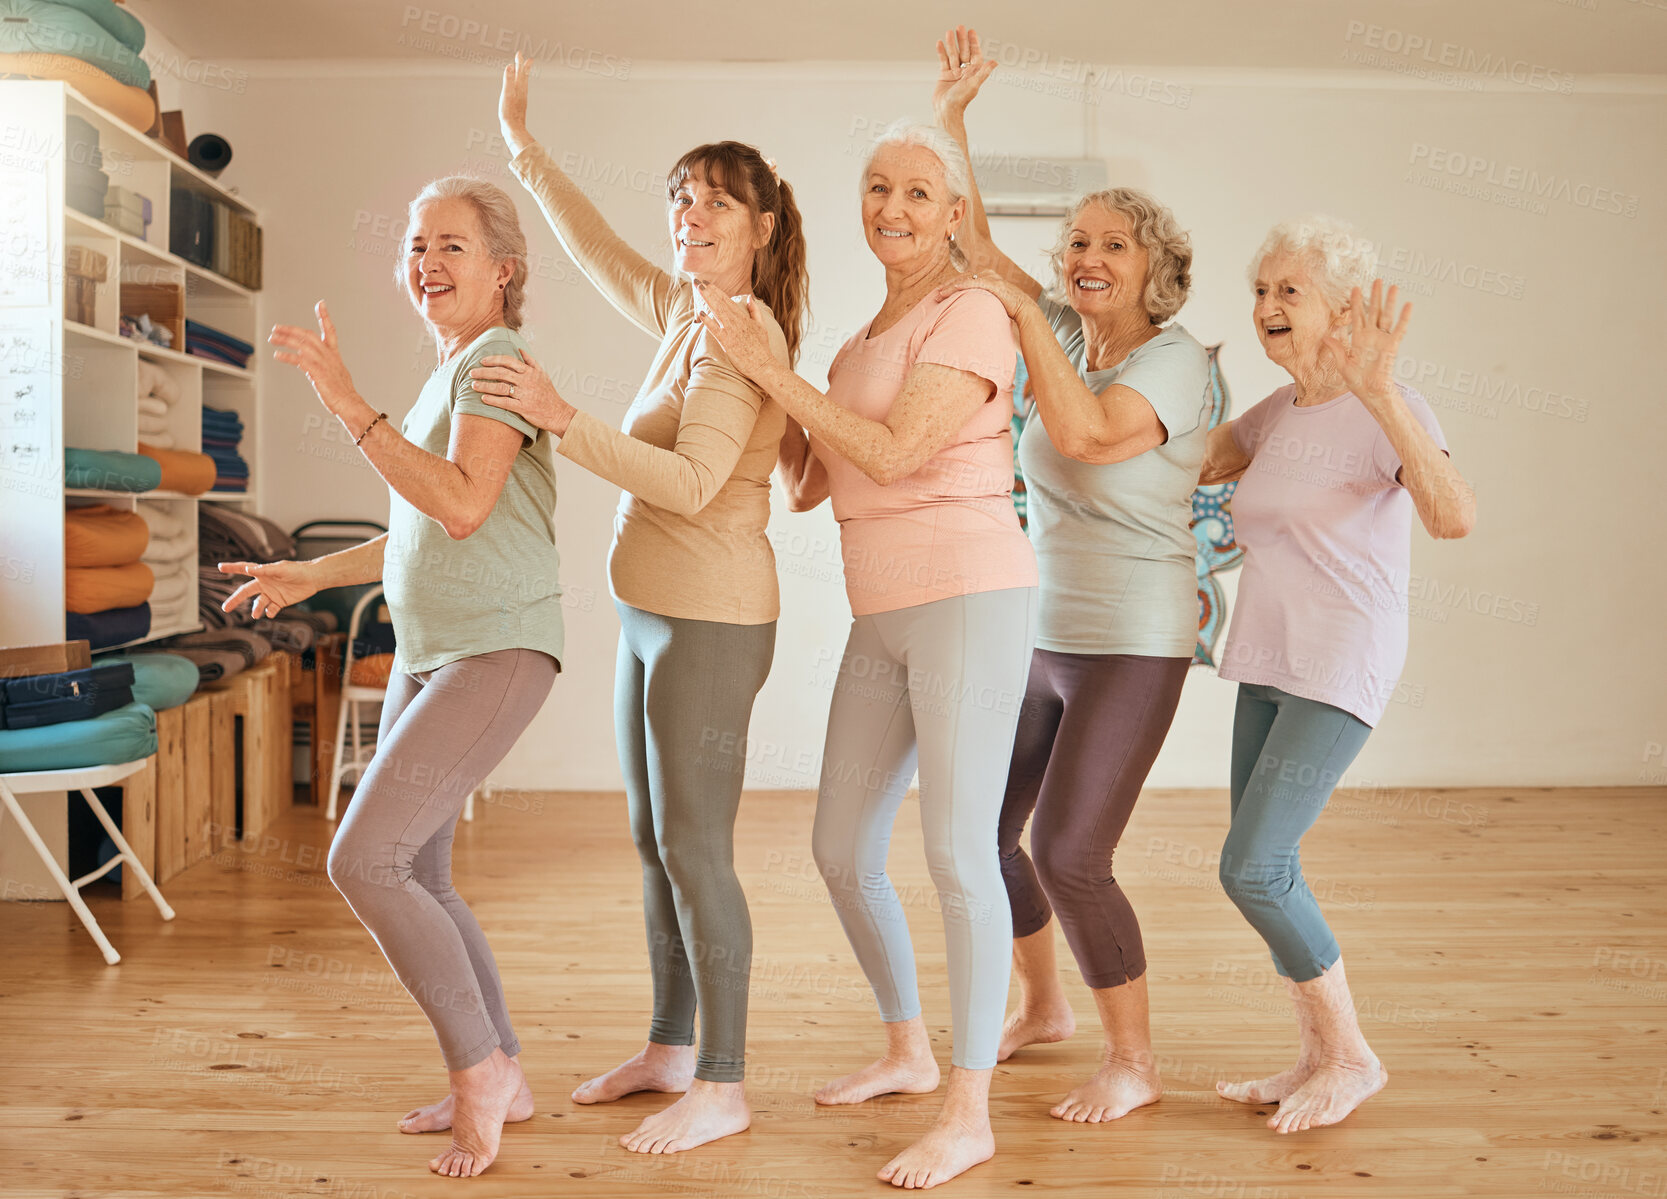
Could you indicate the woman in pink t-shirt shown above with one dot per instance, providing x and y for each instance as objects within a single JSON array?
[
  {"x": 1331, "y": 469},
  {"x": 913, "y": 443}
]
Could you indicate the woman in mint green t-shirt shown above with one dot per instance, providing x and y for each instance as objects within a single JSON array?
[{"x": 470, "y": 570}]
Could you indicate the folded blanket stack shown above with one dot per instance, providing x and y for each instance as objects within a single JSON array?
[
  {"x": 216, "y": 344},
  {"x": 104, "y": 580},
  {"x": 85, "y": 179},
  {"x": 222, "y": 434},
  {"x": 218, "y": 653},
  {"x": 158, "y": 396},
  {"x": 172, "y": 555}
]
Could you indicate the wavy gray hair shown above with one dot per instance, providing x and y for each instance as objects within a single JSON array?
[
  {"x": 1168, "y": 249},
  {"x": 1343, "y": 259},
  {"x": 500, "y": 226},
  {"x": 957, "y": 176}
]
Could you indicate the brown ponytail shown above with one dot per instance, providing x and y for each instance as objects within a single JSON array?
[{"x": 780, "y": 272}]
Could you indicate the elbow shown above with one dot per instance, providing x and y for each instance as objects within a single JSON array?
[
  {"x": 1455, "y": 526},
  {"x": 460, "y": 530},
  {"x": 460, "y": 526}
]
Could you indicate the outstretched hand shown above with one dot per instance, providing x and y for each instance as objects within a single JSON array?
[
  {"x": 318, "y": 357},
  {"x": 272, "y": 586},
  {"x": 521, "y": 386},
  {"x": 962, "y": 70},
  {"x": 739, "y": 329},
  {"x": 1366, "y": 360}
]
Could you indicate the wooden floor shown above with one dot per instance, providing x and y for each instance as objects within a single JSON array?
[{"x": 1508, "y": 950}]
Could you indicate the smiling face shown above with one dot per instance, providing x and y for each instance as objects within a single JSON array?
[
  {"x": 907, "y": 212},
  {"x": 450, "y": 278},
  {"x": 1293, "y": 314},
  {"x": 1104, "y": 268},
  {"x": 714, "y": 235}
]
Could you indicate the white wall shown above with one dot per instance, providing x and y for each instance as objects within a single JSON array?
[{"x": 1562, "y": 685}]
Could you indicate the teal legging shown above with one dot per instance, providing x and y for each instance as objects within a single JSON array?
[
  {"x": 1288, "y": 753},
  {"x": 683, "y": 697}
]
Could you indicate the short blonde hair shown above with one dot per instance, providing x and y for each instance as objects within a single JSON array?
[
  {"x": 500, "y": 226},
  {"x": 1168, "y": 249},
  {"x": 957, "y": 176},
  {"x": 1344, "y": 260}
]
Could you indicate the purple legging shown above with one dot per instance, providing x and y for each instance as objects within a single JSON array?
[
  {"x": 1091, "y": 727},
  {"x": 442, "y": 732}
]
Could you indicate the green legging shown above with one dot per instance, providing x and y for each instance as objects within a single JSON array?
[
  {"x": 1288, "y": 753},
  {"x": 683, "y": 697}
]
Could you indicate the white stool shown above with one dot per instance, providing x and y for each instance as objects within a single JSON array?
[
  {"x": 84, "y": 780},
  {"x": 353, "y": 694}
]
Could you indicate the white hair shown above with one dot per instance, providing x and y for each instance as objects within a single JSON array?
[
  {"x": 957, "y": 176},
  {"x": 1344, "y": 260}
]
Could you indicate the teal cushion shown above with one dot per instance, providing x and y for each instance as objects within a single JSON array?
[
  {"x": 160, "y": 681},
  {"x": 117, "y": 21},
  {"x": 125, "y": 735},
  {"x": 111, "y": 470},
  {"x": 46, "y": 27}
]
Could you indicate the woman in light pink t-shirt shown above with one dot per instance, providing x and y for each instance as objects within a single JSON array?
[
  {"x": 1331, "y": 469},
  {"x": 913, "y": 443}
]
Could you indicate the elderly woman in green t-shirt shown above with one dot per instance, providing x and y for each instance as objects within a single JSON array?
[{"x": 469, "y": 567}]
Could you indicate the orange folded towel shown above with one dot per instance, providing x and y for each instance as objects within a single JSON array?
[
  {"x": 90, "y": 589},
  {"x": 100, "y": 535},
  {"x": 372, "y": 671},
  {"x": 182, "y": 470}
]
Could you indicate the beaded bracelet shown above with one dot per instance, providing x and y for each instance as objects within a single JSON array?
[{"x": 380, "y": 416}]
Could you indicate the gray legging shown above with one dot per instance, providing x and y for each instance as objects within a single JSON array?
[
  {"x": 940, "y": 684},
  {"x": 683, "y": 698},
  {"x": 1288, "y": 753},
  {"x": 442, "y": 732}
]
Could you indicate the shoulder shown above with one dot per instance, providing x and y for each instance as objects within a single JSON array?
[
  {"x": 499, "y": 339},
  {"x": 972, "y": 307}
]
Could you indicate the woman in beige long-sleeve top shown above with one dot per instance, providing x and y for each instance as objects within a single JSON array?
[{"x": 693, "y": 578}]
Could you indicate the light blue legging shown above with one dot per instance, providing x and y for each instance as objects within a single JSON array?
[
  {"x": 939, "y": 685},
  {"x": 1288, "y": 753}
]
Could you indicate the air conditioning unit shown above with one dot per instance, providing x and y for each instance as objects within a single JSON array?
[{"x": 1035, "y": 185}]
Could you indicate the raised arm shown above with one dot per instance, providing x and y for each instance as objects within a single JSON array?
[
  {"x": 1098, "y": 427},
  {"x": 935, "y": 403},
  {"x": 1445, "y": 501},
  {"x": 631, "y": 283},
  {"x": 962, "y": 70},
  {"x": 459, "y": 490}
]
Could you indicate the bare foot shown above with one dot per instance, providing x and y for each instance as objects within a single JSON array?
[
  {"x": 710, "y": 1110},
  {"x": 1268, "y": 1090},
  {"x": 484, "y": 1094},
  {"x": 1035, "y": 1028},
  {"x": 1115, "y": 1090},
  {"x": 914, "y": 1075},
  {"x": 666, "y": 1068},
  {"x": 436, "y": 1117},
  {"x": 951, "y": 1148},
  {"x": 1330, "y": 1093}
]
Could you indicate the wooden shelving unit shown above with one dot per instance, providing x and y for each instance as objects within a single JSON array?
[{"x": 67, "y": 383}]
